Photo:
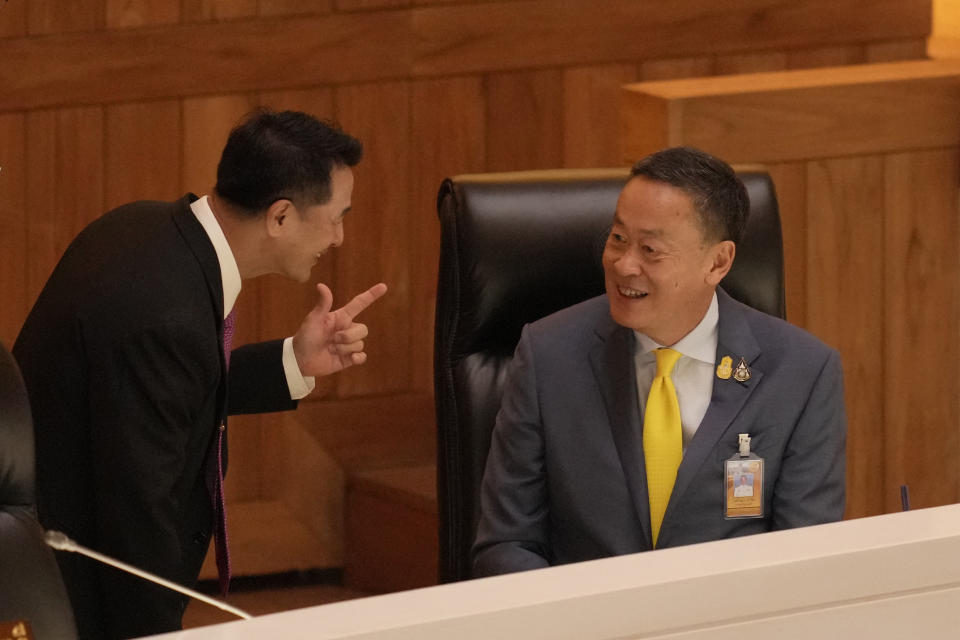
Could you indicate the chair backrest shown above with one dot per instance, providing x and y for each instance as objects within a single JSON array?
[
  {"x": 516, "y": 247},
  {"x": 31, "y": 588}
]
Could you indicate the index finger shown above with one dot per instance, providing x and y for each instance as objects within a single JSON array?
[{"x": 363, "y": 300}]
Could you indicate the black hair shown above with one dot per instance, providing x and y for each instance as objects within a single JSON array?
[
  {"x": 288, "y": 154},
  {"x": 718, "y": 195}
]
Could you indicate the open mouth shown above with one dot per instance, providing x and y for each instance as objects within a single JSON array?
[{"x": 628, "y": 292}]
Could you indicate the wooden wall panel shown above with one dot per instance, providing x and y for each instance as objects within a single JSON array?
[
  {"x": 449, "y": 128},
  {"x": 828, "y": 57},
  {"x": 142, "y": 155},
  {"x": 55, "y": 16},
  {"x": 13, "y": 19},
  {"x": 751, "y": 62},
  {"x": 919, "y": 267},
  {"x": 356, "y": 47},
  {"x": 122, "y": 14},
  {"x": 909, "y": 49},
  {"x": 591, "y": 127},
  {"x": 524, "y": 120},
  {"x": 377, "y": 244},
  {"x": 216, "y": 10},
  {"x": 13, "y": 227},
  {"x": 368, "y": 5},
  {"x": 470, "y": 38},
  {"x": 672, "y": 68},
  {"x": 845, "y": 225},
  {"x": 293, "y": 7},
  {"x": 800, "y": 117},
  {"x": 64, "y": 184}
]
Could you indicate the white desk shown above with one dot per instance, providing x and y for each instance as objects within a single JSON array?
[{"x": 894, "y": 576}]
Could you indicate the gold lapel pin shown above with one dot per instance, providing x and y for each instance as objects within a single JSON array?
[{"x": 725, "y": 368}]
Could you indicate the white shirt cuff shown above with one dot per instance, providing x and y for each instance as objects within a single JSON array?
[{"x": 299, "y": 384}]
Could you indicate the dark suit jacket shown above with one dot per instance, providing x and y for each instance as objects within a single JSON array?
[
  {"x": 565, "y": 479},
  {"x": 123, "y": 361}
]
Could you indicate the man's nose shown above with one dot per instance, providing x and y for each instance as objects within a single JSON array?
[{"x": 629, "y": 263}]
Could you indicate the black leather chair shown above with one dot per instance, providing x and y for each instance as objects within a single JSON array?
[
  {"x": 516, "y": 247},
  {"x": 31, "y": 588}
]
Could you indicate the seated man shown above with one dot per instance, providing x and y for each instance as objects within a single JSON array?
[{"x": 627, "y": 417}]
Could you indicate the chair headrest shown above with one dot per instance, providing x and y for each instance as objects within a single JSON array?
[{"x": 526, "y": 244}]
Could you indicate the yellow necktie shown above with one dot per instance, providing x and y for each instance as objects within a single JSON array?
[{"x": 662, "y": 438}]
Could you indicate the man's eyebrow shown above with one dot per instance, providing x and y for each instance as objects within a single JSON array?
[{"x": 656, "y": 233}]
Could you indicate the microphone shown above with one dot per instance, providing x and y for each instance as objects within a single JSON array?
[{"x": 61, "y": 542}]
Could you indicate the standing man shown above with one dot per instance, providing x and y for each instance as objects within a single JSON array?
[
  {"x": 127, "y": 360},
  {"x": 626, "y": 417}
]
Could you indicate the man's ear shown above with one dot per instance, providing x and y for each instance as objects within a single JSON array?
[
  {"x": 277, "y": 216},
  {"x": 722, "y": 255}
]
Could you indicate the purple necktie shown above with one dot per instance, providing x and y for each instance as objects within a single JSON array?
[{"x": 221, "y": 543}]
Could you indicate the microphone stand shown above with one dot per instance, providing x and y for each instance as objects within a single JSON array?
[{"x": 61, "y": 542}]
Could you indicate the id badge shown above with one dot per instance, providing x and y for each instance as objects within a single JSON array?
[{"x": 743, "y": 483}]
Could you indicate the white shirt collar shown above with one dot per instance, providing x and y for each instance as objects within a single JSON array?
[
  {"x": 229, "y": 272},
  {"x": 700, "y": 343}
]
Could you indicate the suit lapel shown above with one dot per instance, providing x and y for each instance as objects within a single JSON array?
[
  {"x": 613, "y": 367},
  {"x": 201, "y": 246},
  {"x": 734, "y": 339}
]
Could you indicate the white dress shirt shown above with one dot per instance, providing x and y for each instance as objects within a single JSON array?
[
  {"x": 692, "y": 375},
  {"x": 298, "y": 384}
]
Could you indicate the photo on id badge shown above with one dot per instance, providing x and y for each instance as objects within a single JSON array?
[{"x": 743, "y": 488}]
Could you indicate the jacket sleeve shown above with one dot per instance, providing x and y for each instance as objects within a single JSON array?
[
  {"x": 512, "y": 533},
  {"x": 258, "y": 383},
  {"x": 811, "y": 487}
]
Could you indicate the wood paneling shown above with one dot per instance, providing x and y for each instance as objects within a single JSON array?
[
  {"x": 368, "y": 5},
  {"x": 525, "y": 120},
  {"x": 373, "y": 432},
  {"x": 356, "y": 47},
  {"x": 672, "y": 68},
  {"x": 922, "y": 363},
  {"x": 377, "y": 234},
  {"x": 54, "y": 16},
  {"x": 142, "y": 155},
  {"x": 801, "y": 114},
  {"x": 751, "y": 62},
  {"x": 448, "y": 121},
  {"x": 121, "y": 14},
  {"x": 13, "y": 227},
  {"x": 845, "y": 306},
  {"x": 13, "y": 19},
  {"x": 476, "y": 37},
  {"x": 828, "y": 57},
  {"x": 215, "y": 10},
  {"x": 64, "y": 178},
  {"x": 910, "y": 49},
  {"x": 293, "y": 7},
  {"x": 591, "y": 131}
]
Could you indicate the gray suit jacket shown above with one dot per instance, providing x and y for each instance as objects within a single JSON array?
[{"x": 565, "y": 479}]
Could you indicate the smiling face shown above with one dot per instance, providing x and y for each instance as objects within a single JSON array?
[
  {"x": 660, "y": 269},
  {"x": 308, "y": 232}
]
